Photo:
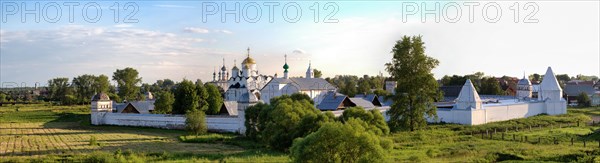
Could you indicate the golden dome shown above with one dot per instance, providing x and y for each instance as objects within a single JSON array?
[{"x": 248, "y": 61}]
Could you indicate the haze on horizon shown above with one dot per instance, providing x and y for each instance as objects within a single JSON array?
[{"x": 175, "y": 40}]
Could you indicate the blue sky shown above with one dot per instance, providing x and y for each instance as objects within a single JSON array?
[{"x": 171, "y": 39}]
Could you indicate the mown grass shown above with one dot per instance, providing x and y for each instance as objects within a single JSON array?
[
  {"x": 63, "y": 134},
  {"x": 46, "y": 133}
]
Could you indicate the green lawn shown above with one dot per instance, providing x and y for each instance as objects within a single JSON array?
[{"x": 42, "y": 132}]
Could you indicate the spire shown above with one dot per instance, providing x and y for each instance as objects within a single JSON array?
[
  {"x": 214, "y": 73},
  {"x": 248, "y": 52},
  {"x": 309, "y": 70},
  {"x": 468, "y": 98},
  {"x": 285, "y": 68}
]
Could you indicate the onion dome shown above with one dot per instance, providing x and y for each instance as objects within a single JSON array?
[
  {"x": 248, "y": 60},
  {"x": 285, "y": 66}
]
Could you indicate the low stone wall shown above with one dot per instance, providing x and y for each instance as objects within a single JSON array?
[{"x": 165, "y": 121}]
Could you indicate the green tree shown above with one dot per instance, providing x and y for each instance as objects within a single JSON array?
[
  {"x": 317, "y": 73},
  {"x": 535, "y": 77},
  {"x": 127, "y": 80},
  {"x": 490, "y": 86},
  {"x": 186, "y": 97},
  {"x": 164, "y": 102},
  {"x": 102, "y": 84},
  {"x": 372, "y": 117},
  {"x": 195, "y": 122},
  {"x": 84, "y": 87},
  {"x": 337, "y": 142},
  {"x": 351, "y": 89},
  {"x": 302, "y": 96},
  {"x": 285, "y": 119},
  {"x": 60, "y": 90},
  {"x": 256, "y": 117},
  {"x": 413, "y": 99},
  {"x": 381, "y": 92},
  {"x": 202, "y": 93},
  {"x": 364, "y": 86},
  {"x": 2, "y": 97},
  {"x": 583, "y": 100},
  {"x": 215, "y": 100}
]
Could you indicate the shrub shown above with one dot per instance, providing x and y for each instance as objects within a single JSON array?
[
  {"x": 195, "y": 122},
  {"x": 583, "y": 100},
  {"x": 286, "y": 118},
  {"x": 93, "y": 141},
  {"x": 373, "y": 117},
  {"x": 337, "y": 142}
]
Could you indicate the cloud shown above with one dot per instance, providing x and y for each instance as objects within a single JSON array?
[
  {"x": 75, "y": 50},
  {"x": 195, "y": 30},
  {"x": 223, "y": 31},
  {"x": 204, "y": 30},
  {"x": 298, "y": 51}
]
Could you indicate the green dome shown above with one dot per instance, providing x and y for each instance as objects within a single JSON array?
[{"x": 286, "y": 66}]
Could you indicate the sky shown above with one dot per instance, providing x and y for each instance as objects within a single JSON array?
[{"x": 190, "y": 39}]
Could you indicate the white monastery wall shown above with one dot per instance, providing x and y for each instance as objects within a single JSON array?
[
  {"x": 165, "y": 121},
  {"x": 491, "y": 113}
]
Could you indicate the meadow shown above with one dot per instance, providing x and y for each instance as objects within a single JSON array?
[{"x": 43, "y": 132}]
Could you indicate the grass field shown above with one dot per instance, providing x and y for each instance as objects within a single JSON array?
[{"x": 62, "y": 133}]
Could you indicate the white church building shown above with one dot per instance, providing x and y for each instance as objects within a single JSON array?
[
  {"x": 248, "y": 87},
  {"x": 469, "y": 109}
]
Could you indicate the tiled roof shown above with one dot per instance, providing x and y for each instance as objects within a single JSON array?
[
  {"x": 230, "y": 107},
  {"x": 575, "y": 90},
  {"x": 332, "y": 101},
  {"x": 362, "y": 102},
  {"x": 312, "y": 84}
]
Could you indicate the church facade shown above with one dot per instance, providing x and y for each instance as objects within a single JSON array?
[{"x": 246, "y": 87}]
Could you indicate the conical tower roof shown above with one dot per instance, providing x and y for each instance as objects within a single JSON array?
[
  {"x": 468, "y": 96},
  {"x": 549, "y": 82}
]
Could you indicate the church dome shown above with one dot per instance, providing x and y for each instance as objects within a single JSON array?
[
  {"x": 223, "y": 68},
  {"x": 235, "y": 68},
  {"x": 101, "y": 97},
  {"x": 524, "y": 81},
  {"x": 248, "y": 61},
  {"x": 286, "y": 66}
]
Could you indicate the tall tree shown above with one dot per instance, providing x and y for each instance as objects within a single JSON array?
[
  {"x": 416, "y": 88},
  {"x": 186, "y": 97},
  {"x": 58, "y": 88},
  {"x": 215, "y": 100},
  {"x": 102, "y": 84},
  {"x": 317, "y": 73},
  {"x": 128, "y": 80},
  {"x": 84, "y": 87},
  {"x": 164, "y": 102},
  {"x": 202, "y": 96}
]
